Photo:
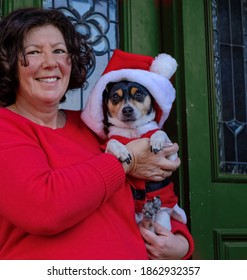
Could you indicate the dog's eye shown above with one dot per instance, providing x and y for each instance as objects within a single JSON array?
[
  {"x": 139, "y": 96},
  {"x": 115, "y": 98}
]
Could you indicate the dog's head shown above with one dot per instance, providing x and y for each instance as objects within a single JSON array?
[{"x": 128, "y": 104}]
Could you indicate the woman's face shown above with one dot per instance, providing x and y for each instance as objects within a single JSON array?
[{"x": 47, "y": 75}]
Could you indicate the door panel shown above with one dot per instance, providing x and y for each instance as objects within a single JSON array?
[
  {"x": 217, "y": 199},
  {"x": 230, "y": 244}
]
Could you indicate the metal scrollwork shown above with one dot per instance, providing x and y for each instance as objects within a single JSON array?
[{"x": 94, "y": 26}]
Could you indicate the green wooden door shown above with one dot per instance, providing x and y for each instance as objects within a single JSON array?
[{"x": 218, "y": 199}]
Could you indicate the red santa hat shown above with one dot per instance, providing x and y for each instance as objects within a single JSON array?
[{"x": 152, "y": 73}]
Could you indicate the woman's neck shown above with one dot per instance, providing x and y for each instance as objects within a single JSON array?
[{"x": 50, "y": 117}]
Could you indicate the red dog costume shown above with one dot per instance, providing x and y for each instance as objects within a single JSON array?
[{"x": 154, "y": 75}]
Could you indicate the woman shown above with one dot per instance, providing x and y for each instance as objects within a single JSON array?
[{"x": 61, "y": 197}]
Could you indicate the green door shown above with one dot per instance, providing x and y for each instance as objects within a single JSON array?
[{"x": 215, "y": 118}]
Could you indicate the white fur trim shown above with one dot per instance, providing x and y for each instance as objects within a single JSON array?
[
  {"x": 164, "y": 65},
  {"x": 160, "y": 87}
]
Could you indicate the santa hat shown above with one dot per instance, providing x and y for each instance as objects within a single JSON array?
[{"x": 152, "y": 73}]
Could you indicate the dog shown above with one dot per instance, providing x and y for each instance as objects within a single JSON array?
[{"x": 129, "y": 113}]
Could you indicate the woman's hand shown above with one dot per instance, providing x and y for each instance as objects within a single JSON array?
[
  {"x": 148, "y": 165},
  {"x": 163, "y": 244}
]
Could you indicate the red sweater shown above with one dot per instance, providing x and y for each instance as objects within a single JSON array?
[{"x": 61, "y": 198}]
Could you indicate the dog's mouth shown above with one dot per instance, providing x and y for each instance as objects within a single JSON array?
[{"x": 128, "y": 118}]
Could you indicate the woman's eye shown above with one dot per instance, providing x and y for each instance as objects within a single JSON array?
[
  {"x": 60, "y": 51},
  {"x": 34, "y": 52}
]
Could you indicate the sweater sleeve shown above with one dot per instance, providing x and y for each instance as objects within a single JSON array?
[
  {"x": 42, "y": 200},
  {"x": 178, "y": 227}
]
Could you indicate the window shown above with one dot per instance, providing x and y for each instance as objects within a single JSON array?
[{"x": 230, "y": 58}]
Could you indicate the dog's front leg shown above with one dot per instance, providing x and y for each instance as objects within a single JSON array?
[
  {"x": 118, "y": 150},
  {"x": 158, "y": 141}
]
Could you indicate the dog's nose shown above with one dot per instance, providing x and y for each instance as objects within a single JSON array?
[{"x": 127, "y": 111}]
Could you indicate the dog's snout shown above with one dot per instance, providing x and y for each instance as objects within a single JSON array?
[{"x": 127, "y": 111}]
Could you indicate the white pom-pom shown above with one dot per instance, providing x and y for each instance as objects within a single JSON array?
[{"x": 164, "y": 65}]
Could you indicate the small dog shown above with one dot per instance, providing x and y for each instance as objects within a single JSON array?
[{"x": 129, "y": 111}]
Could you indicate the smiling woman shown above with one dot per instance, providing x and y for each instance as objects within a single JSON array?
[
  {"x": 19, "y": 45},
  {"x": 62, "y": 197}
]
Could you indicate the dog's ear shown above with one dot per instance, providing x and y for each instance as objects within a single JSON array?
[
  {"x": 105, "y": 95},
  {"x": 106, "y": 92},
  {"x": 105, "y": 98}
]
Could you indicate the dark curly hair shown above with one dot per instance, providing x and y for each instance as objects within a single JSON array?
[{"x": 13, "y": 29}]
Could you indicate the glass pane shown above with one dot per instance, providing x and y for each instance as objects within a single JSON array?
[
  {"x": 98, "y": 20},
  {"x": 230, "y": 58}
]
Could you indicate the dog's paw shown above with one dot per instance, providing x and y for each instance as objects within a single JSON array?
[
  {"x": 118, "y": 150},
  {"x": 158, "y": 141}
]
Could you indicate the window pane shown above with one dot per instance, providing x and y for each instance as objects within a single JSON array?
[{"x": 230, "y": 57}]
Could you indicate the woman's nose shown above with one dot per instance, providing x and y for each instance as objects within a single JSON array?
[{"x": 49, "y": 60}]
